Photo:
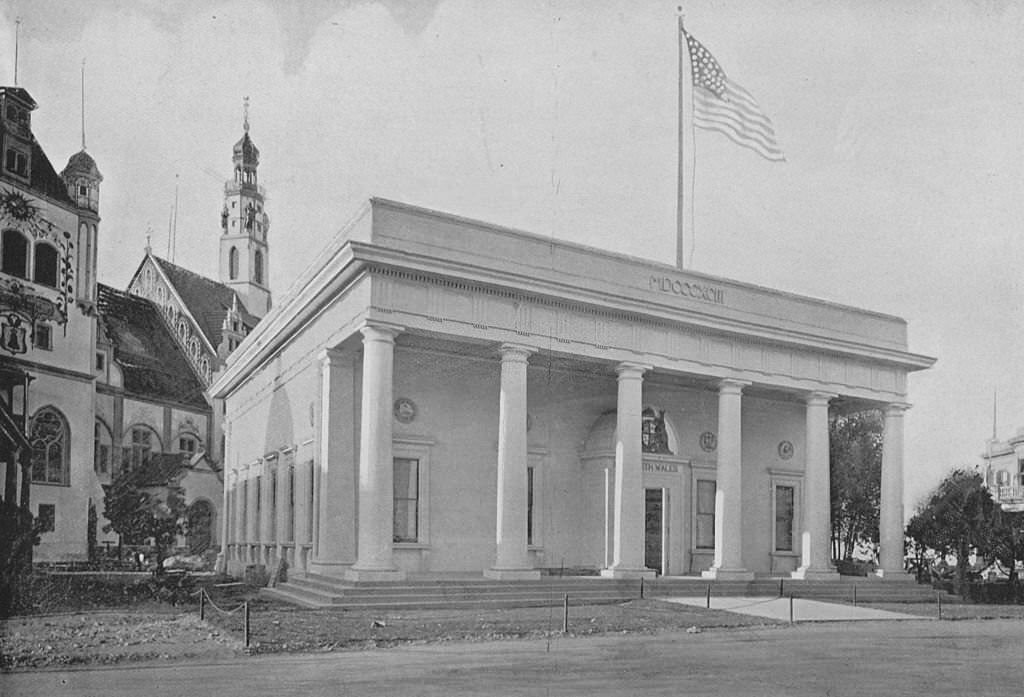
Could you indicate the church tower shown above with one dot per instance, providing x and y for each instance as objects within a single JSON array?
[{"x": 244, "y": 225}]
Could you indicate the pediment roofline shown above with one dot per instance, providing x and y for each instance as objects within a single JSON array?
[
  {"x": 151, "y": 260},
  {"x": 385, "y": 234}
]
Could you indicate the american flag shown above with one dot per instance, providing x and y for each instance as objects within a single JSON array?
[{"x": 719, "y": 104}]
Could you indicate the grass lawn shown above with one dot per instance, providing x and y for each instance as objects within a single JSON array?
[{"x": 163, "y": 632}]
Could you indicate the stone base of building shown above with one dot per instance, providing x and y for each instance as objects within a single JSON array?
[
  {"x": 811, "y": 574},
  {"x": 895, "y": 575},
  {"x": 512, "y": 574},
  {"x": 616, "y": 572},
  {"x": 719, "y": 574},
  {"x": 358, "y": 575}
]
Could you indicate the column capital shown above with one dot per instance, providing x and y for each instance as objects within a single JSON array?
[
  {"x": 516, "y": 353},
  {"x": 895, "y": 409},
  {"x": 330, "y": 356},
  {"x": 818, "y": 398},
  {"x": 629, "y": 370},
  {"x": 732, "y": 385},
  {"x": 374, "y": 330}
]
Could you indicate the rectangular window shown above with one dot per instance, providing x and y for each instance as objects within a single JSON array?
[
  {"x": 47, "y": 517},
  {"x": 16, "y": 162},
  {"x": 529, "y": 505},
  {"x": 406, "y": 499},
  {"x": 289, "y": 533},
  {"x": 272, "y": 504},
  {"x": 101, "y": 361},
  {"x": 705, "y": 522},
  {"x": 102, "y": 456},
  {"x": 43, "y": 338},
  {"x": 785, "y": 510}
]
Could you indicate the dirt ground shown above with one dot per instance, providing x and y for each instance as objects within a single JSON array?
[
  {"x": 111, "y": 637},
  {"x": 159, "y": 632}
]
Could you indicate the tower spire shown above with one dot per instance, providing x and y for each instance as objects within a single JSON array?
[
  {"x": 83, "y": 104},
  {"x": 245, "y": 114},
  {"x": 17, "y": 37}
]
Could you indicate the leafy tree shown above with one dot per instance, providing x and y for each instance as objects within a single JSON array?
[
  {"x": 855, "y": 471},
  {"x": 139, "y": 513},
  {"x": 19, "y": 533},
  {"x": 958, "y": 518}
]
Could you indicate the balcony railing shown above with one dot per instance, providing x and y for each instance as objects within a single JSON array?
[{"x": 1010, "y": 493}]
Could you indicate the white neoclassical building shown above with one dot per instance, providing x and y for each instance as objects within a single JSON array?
[{"x": 437, "y": 394}]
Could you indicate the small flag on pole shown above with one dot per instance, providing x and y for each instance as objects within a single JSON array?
[{"x": 719, "y": 104}]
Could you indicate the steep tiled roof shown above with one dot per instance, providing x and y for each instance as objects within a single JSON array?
[
  {"x": 207, "y": 300},
  {"x": 161, "y": 469},
  {"x": 152, "y": 363},
  {"x": 44, "y": 177}
]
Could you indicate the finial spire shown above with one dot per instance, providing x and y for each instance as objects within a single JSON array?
[
  {"x": 245, "y": 110},
  {"x": 17, "y": 36},
  {"x": 83, "y": 104},
  {"x": 149, "y": 235}
]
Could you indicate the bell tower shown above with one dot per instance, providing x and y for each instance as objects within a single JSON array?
[{"x": 244, "y": 225}]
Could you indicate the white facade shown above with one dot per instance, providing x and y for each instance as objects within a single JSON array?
[{"x": 443, "y": 395}]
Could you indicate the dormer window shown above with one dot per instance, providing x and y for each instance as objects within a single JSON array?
[
  {"x": 16, "y": 161},
  {"x": 83, "y": 191}
]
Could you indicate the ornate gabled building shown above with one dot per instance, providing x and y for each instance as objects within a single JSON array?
[{"x": 94, "y": 378}]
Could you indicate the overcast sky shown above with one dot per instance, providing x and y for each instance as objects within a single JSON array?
[{"x": 902, "y": 123}]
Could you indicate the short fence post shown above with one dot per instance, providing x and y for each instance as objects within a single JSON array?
[
  {"x": 938, "y": 598},
  {"x": 781, "y": 592},
  {"x": 245, "y": 622},
  {"x": 641, "y": 588},
  {"x": 565, "y": 614},
  {"x": 791, "y": 608},
  {"x": 709, "y": 597},
  {"x": 855, "y": 595},
  {"x": 202, "y": 604}
]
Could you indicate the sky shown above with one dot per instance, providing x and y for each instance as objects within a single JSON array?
[{"x": 902, "y": 124}]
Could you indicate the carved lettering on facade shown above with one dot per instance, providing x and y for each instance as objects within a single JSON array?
[
  {"x": 688, "y": 289},
  {"x": 664, "y": 467}
]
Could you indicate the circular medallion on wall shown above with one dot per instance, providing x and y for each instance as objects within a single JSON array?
[
  {"x": 785, "y": 450},
  {"x": 708, "y": 441},
  {"x": 405, "y": 410}
]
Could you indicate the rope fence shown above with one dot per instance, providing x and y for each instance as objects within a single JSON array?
[{"x": 204, "y": 599}]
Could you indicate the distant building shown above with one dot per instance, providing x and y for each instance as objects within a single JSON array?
[
  {"x": 443, "y": 395},
  {"x": 1004, "y": 471},
  {"x": 115, "y": 379}
]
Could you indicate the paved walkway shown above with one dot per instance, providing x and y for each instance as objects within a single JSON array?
[{"x": 804, "y": 610}]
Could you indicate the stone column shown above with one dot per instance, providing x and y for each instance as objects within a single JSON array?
[
  {"x": 226, "y": 511},
  {"x": 283, "y": 511},
  {"x": 266, "y": 510},
  {"x": 512, "y": 560},
  {"x": 628, "y": 527},
  {"x": 374, "y": 561},
  {"x": 239, "y": 517},
  {"x": 336, "y": 500},
  {"x": 728, "y": 564},
  {"x": 816, "y": 559},
  {"x": 251, "y": 524},
  {"x": 302, "y": 534},
  {"x": 890, "y": 519}
]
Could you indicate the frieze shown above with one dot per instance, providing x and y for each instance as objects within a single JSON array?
[{"x": 687, "y": 289}]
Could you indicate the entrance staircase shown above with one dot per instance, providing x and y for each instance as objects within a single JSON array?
[{"x": 316, "y": 591}]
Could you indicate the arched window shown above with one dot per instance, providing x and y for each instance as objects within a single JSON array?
[
  {"x": 233, "y": 264},
  {"x": 200, "y": 526},
  {"x": 15, "y": 254},
  {"x": 46, "y": 265},
  {"x": 257, "y": 271},
  {"x": 102, "y": 447},
  {"x": 653, "y": 434},
  {"x": 141, "y": 442},
  {"x": 49, "y": 441}
]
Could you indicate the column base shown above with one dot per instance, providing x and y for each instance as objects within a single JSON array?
[
  {"x": 619, "y": 572},
  {"x": 812, "y": 574},
  {"x": 895, "y": 575},
  {"x": 512, "y": 574},
  {"x": 719, "y": 574},
  {"x": 357, "y": 575},
  {"x": 327, "y": 567}
]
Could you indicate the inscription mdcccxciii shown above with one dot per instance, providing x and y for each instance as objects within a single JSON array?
[{"x": 688, "y": 289}]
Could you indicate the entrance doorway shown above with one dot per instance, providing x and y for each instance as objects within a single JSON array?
[{"x": 654, "y": 523}]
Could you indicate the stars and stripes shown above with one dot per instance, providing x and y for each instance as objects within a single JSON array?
[{"x": 719, "y": 104}]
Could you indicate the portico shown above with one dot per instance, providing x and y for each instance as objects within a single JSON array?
[{"x": 467, "y": 398}]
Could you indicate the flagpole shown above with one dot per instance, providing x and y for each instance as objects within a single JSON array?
[{"x": 684, "y": 202}]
